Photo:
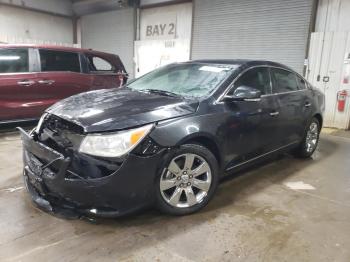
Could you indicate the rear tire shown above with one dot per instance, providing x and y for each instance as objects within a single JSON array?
[
  {"x": 188, "y": 180},
  {"x": 310, "y": 141}
]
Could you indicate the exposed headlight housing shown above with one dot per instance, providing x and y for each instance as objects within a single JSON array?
[
  {"x": 40, "y": 123},
  {"x": 114, "y": 145}
]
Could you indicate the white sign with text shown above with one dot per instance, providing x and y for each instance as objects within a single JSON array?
[{"x": 159, "y": 26}]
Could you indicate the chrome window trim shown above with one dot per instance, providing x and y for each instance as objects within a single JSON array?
[
  {"x": 284, "y": 93},
  {"x": 220, "y": 99}
]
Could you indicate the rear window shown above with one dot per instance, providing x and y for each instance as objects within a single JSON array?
[
  {"x": 14, "y": 60},
  {"x": 99, "y": 64},
  {"x": 59, "y": 61}
]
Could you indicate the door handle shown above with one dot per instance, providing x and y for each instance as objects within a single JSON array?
[
  {"x": 46, "y": 82},
  {"x": 26, "y": 82},
  {"x": 276, "y": 113},
  {"x": 307, "y": 104}
]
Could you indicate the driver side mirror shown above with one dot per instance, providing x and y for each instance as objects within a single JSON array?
[{"x": 242, "y": 93}]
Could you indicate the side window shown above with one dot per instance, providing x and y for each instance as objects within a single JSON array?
[
  {"x": 301, "y": 83},
  {"x": 14, "y": 60},
  {"x": 257, "y": 78},
  {"x": 283, "y": 81},
  {"x": 59, "y": 61},
  {"x": 99, "y": 64}
]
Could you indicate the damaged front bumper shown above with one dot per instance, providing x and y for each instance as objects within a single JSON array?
[{"x": 125, "y": 191}]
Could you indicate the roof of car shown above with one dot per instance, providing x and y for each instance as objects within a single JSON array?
[
  {"x": 53, "y": 47},
  {"x": 241, "y": 62},
  {"x": 222, "y": 61}
]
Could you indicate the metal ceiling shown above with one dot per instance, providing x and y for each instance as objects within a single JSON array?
[{"x": 84, "y": 7}]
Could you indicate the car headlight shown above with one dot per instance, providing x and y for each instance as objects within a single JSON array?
[{"x": 114, "y": 145}]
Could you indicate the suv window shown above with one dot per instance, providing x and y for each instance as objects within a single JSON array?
[
  {"x": 59, "y": 61},
  {"x": 99, "y": 64},
  {"x": 301, "y": 83},
  {"x": 257, "y": 78},
  {"x": 14, "y": 60},
  {"x": 283, "y": 81}
]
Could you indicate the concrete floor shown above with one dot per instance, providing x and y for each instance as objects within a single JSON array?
[{"x": 261, "y": 215}]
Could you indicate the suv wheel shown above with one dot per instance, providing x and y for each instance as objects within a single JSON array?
[
  {"x": 188, "y": 181},
  {"x": 310, "y": 141}
]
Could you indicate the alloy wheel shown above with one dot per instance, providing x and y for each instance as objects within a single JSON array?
[
  {"x": 186, "y": 181},
  {"x": 311, "y": 137}
]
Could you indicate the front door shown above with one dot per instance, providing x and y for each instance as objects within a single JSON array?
[{"x": 252, "y": 124}]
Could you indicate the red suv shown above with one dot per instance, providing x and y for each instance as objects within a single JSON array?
[{"x": 34, "y": 77}]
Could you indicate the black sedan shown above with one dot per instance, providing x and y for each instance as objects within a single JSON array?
[{"x": 166, "y": 138}]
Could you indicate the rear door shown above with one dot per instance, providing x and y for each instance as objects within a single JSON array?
[
  {"x": 307, "y": 98},
  {"x": 18, "y": 94},
  {"x": 293, "y": 105},
  {"x": 104, "y": 72},
  {"x": 61, "y": 75}
]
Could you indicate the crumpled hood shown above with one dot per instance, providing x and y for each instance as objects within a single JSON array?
[{"x": 116, "y": 109}]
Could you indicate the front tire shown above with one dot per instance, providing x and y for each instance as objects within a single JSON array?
[
  {"x": 188, "y": 181},
  {"x": 310, "y": 141}
]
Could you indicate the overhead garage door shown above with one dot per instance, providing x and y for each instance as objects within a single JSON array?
[
  {"x": 275, "y": 30},
  {"x": 111, "y": 32}
]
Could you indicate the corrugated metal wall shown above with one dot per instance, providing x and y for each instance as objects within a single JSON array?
[
  {"x": 254, "y": 29},
  {"x": 111, "y": 32}
]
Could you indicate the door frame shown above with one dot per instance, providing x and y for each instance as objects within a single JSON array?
[{"x": 327, "y": 59}]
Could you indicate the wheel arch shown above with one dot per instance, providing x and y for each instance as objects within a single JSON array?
[
  {"x": 205, "y": 140},
  {"x": 319, "y": 118}
]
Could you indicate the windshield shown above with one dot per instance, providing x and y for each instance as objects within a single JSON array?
[{"x": 188, "y": 79}]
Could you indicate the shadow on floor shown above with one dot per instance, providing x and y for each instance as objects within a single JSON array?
[{"x": 234, "y": 188}]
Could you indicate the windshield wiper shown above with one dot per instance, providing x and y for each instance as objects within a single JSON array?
[{"x": 161, "y": 92}]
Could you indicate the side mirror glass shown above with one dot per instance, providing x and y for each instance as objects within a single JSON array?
[{"x": 244, "y": 93}]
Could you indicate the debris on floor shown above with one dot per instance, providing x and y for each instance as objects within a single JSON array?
[{"x": 13, "y": 189}]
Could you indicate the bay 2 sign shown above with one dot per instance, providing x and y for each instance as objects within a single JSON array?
[
  {"x": 158, "y": 25},
  {"x": 161, "y": 30}
]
